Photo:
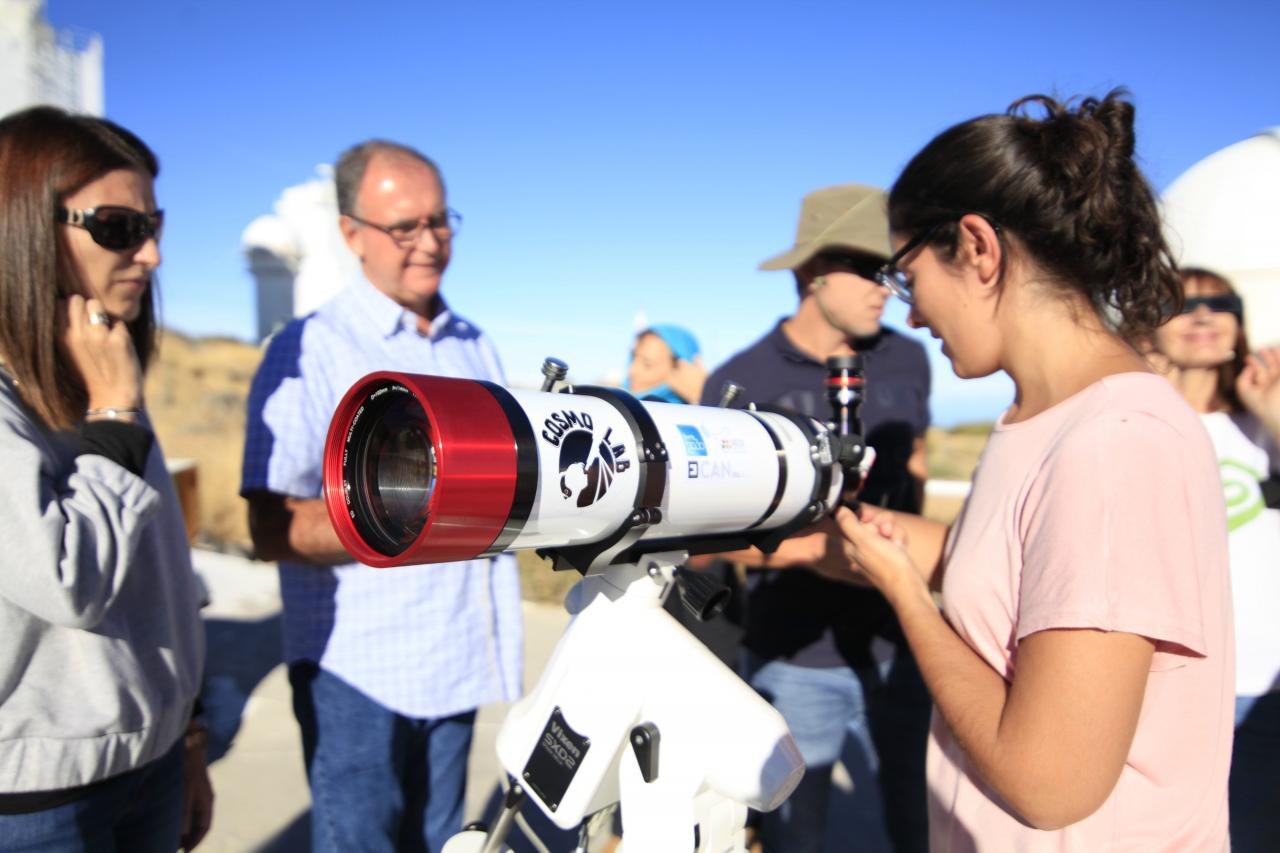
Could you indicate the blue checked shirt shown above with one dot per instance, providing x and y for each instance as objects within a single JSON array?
[{"x": 423, "y": 641}]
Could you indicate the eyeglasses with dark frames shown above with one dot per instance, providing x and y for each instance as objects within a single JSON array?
[
  {"x": 112, "y": 227},
  {"x": 406, "y": 234},
  {"x": 898, "y": 282}
]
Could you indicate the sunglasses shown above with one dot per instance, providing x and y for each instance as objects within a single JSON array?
[
  {"x": 115, "y": 228},
  {"x": 1227, "y": 303},
  {"x": 863, "y": 266}
]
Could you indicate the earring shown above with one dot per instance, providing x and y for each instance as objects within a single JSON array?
[{"x": 818, "y": 282}]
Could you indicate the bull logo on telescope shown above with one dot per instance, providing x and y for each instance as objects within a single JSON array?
[{"x": 587, "y": 466}]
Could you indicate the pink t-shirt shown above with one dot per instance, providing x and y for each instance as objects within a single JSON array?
[{"x": 1103, "y": 512}]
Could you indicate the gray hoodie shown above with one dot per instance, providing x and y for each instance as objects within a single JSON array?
[{"x": 101, "y": 644}]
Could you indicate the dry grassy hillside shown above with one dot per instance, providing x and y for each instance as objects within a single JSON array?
[{"x": 196, "y": 394}]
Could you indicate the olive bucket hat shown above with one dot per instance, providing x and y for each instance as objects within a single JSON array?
[{"x": 846, "y": 216}]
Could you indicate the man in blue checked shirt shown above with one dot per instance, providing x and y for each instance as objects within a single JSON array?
[{"x": 388, "y": 666}]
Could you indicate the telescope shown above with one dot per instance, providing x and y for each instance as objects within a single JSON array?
[{"x": 630, "y": 708}]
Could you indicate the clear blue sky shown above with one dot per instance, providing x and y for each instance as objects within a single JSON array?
[{"x": 615, "y": 158}]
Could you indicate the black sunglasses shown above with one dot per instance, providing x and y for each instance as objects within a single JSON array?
[
  {"x": 1227, "y": 303},
  {"x": 863, "y": 266},
  {"x": 115, "y": 228}
]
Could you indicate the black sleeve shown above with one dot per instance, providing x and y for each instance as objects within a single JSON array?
[{"x": 122, "y": 442}]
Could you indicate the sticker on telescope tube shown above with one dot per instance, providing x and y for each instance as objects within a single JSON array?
[
  {"x": 693, "y": 443},
  {"x": 587, "y": 465}
]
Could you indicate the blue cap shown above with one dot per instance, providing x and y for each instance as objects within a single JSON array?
[{"x": 683, "y": 344}]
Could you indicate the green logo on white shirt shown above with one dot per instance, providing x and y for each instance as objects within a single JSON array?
[{"x": 1242, "y": 493}]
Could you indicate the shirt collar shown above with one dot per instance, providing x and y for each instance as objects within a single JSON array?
[
  {"x": 390, "y": 318},
  {"x": 789, "y": 351}
]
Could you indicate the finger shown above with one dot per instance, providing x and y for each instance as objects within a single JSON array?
[
  {"x": 95, "y": 314},
  {"x": 1269, "y": 358},
  {"x": 75, "y": 312}
]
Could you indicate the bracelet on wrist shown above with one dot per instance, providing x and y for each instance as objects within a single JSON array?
[{"x": 115, "y": 413}]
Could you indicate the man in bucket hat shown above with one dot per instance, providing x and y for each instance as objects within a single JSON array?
[{"x": 831, "y": 656}]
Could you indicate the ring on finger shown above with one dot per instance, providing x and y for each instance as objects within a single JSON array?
[{"x": 100, "y": 318}]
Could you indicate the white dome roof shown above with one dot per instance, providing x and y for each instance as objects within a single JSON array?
[{"x": 271, "y": 234}]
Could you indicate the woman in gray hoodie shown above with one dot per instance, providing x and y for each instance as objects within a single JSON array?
[{"x": 101, "y": 644}]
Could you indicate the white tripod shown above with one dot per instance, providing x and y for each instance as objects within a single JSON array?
[{"x": 632, "y": 708}]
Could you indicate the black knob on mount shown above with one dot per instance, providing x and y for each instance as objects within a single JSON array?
[{"x": 701, "y": 594}]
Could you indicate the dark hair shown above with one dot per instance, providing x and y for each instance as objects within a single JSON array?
[
  {"x": 348, "y": 172},
  {"x": 47, "y": 154},
  {"x": 1231, "y": 370},
  {"x": 1064, "y": 188}
]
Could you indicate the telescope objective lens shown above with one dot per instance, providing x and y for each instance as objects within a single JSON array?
[{"x": 391, "y": 470}]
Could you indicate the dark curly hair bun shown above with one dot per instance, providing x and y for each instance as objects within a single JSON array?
[{"x": 1061, "y": 180}]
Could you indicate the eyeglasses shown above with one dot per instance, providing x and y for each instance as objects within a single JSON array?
[
  {"x": 863, "y": 266},
  {"x": 896, "y": 280},
  {"x": 115, "y": 228},
  {"x": 406, "y": 234},
  {"x": 1226, "y": 303}
]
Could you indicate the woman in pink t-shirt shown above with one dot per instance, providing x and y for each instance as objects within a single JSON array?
[{"x": 1081, "y": 664}]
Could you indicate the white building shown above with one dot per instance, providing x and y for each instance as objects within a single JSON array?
[
  {"x": 41, "y": 65},
  {"x": 1223, "y": 214},
  {"x": 297, "y": 255}
]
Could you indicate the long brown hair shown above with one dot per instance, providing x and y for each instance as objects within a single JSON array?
[{"x": 47, "y": 154}]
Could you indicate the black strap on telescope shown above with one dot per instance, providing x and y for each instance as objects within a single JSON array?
[
  {"x": 651, "y": 485},
  {"x": 526, "y": 491}
]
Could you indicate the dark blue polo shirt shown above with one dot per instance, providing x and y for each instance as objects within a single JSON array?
[{"x": 798, "y": 616}]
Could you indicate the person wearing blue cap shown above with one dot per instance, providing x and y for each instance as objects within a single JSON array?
[{"x": 666, "y": 365}]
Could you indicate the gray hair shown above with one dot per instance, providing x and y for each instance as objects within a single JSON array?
[{"x": 348, "y": 172}]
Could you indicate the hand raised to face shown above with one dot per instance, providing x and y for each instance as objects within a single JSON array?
[
  {"x": 101, "y": 349},
  {"x": 1258, "y": 387}
]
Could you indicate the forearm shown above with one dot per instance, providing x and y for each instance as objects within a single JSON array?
[
  {"x": 1053, "y": 742},
  {"x": 968, "y": 693},
  {"x": 294, "y": 530},
  {"x": 925, "y": 541}
]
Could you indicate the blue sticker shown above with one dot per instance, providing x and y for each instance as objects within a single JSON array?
[{"x": 693, "y": 443}]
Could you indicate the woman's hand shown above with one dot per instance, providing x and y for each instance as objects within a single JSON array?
[
  {"x": 877, "y": 547},
  {"x": 197, "y": 792},
  {"x": 1258, "y": 387},
  {"x": 102, "y": 350}
]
